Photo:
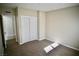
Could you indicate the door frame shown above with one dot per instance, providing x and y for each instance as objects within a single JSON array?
[{"x": 2, "y": 31}]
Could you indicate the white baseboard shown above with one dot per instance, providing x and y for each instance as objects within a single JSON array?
[
  {"x": 21, "y": 43},
  {"x": 64, "y": 44},
  {"x": 26, "y": 42},
  {"x": 69, "y": 46},
  {"x": 42, "y": 38}
]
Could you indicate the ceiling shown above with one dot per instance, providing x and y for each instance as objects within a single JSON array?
[{"x": 40, "y": 6}]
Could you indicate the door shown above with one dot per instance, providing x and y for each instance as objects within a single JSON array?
[
  {"x": 33, "y": 28},
  {"x": 28, "y": 28},
  {"x": 25, "y": 29},
  {"x": 2, "y": 42}
]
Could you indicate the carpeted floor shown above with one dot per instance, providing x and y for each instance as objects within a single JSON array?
[{"x": 35, "y": 48}]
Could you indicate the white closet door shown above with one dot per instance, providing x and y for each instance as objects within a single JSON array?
[
  {"x": 25, "y": 29},
  {"x": 33, "y": 28}
]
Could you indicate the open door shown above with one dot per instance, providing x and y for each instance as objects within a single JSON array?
[
  {"x": 2, "y": 31},
  {"x": 2, "y": 40}
]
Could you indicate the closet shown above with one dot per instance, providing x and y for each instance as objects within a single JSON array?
[{"x": 28, "y": 28}]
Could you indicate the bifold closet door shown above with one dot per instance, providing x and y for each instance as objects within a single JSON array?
[
  {"x": 33, "y": 28},
  {"x": 25, "y": 29},
  {"x": 28, "y": 28}
]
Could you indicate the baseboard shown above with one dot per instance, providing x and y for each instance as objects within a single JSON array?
[
  {"x": 50, "y": 39},
  {"x": 26, "y": 42},
  {"x": 65, "y": 45},
  {"x": 69, "y": 46},
  {"x": 21, "y": 43},
  {"x": 42, "y": 38}
]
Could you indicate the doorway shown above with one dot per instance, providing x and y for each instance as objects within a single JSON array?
[{"x": 9, "y": 28}]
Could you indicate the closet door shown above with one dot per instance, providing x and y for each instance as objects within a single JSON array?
[
  {"x": 33, "y": 28},
  {"x": 25, "y": 29}
]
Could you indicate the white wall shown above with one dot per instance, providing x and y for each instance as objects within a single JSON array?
[
  {"x": 63, "y": 26},
  {"x": 26, "y": 12},
  {"x": 42, "y": 24}
]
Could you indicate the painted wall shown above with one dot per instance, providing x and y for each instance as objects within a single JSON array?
[
  {"x": 63, "y": 26},
  {"x": 26, "y": 12},
  {"x": 42, "y": 24}
]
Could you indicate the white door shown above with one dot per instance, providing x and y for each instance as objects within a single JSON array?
[
  {"x": 33, "y": 28},
  {"x": 25, "y": 29}
]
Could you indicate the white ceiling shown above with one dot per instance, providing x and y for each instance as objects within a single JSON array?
[{"x": 40, "y": 6}]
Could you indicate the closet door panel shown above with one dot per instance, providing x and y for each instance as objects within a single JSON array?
[
  {"x": 25, "y": 29},
  {"x": 33, "y": 28}
]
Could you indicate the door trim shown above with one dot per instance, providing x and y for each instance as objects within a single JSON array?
[{"x": 2, "y": 31}]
